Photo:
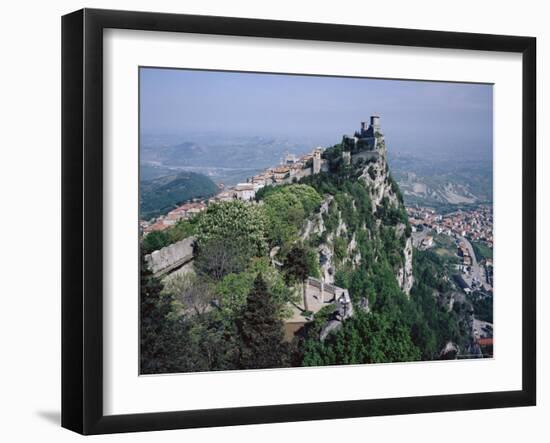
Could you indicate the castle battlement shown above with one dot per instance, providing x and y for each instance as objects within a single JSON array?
[
  {"x": 366, "y": 138},
  {"x": 365, "y": 143}
]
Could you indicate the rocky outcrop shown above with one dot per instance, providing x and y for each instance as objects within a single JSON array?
[
  {"x": 376, "y": 177},
  {"x": 316, "y": 226},
  {"x": 382, "y": 192},
  {"x": 405, "y": 273},
  {"x": 450, "y": 351},
  {"x": 373, "y": 171},
  {"x": 326, "y": 259}
]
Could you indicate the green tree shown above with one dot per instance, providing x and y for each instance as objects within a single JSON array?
[
  {"x": 312, "y": 259},
  {"x": 217, "y": 257},
  {"x": 261, "y": 331},
  {"x": 177, "y": 334},
  {"x": 162, "y": 338},
  {"x": 286, "y": 208},
  {"x": 159, "y": 239},
  {"x": 154, "y": 241},
  {"x": 192, "y": 295},
  {"x": 235, "y": 219},
  {"x": 233, "y": 290},
  {"x": 365, "y": 338},
  {"x": 285, "y": 215},
  {"x": 183, "y": 229},
  {"x": 296, "y": 264},
  {"x": 308, "y": 196},
  {"x": 229, "y": 234},
  {"x": 340, "y": 248}
]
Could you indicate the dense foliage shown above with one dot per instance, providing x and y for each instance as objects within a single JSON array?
[
  {"x": 398, "y": 328},
  {"x": 228, "y": 235},
  {"x": 286, "y": 209},
  {"x": 180, "y": 332},
  {"x": 176, "y": 343},
  {"x": 233, "y": 289},
  {"x": 365, "y": 338},
  {"x": 483, "y": 306},
  {"x": 482, "y": 251},
  {"x": 159, "y": 239},
  {"x": 236, "y": 219},
  {"x": 260, "y": 330},
  {"x": 433, "y": 319}
]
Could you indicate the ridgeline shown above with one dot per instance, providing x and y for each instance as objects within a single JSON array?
[{"x": 332, "y": 254}]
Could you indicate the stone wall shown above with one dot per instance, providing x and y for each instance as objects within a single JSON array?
[
  {"x": 318, "y": 294},
  {"x": 171, "y": 257},
  {"x": 305, "y": 172}
]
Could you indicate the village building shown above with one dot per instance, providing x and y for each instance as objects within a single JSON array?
[
  {"x": 427, "y": 242},
  {"x": 245, "y": 191},
  {"x": 280, "y": 173},
  {"x": 159, "y": 225},
  {"x": 224, "y": 196}
]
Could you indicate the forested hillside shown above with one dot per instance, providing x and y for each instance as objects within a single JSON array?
[
  {"x": 346, "y": 226},
  {"x": 160, "y": 195}
]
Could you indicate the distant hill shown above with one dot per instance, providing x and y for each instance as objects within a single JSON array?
[
  {"x": 443, "y": 181},
  {"x": 225, "y": 158},
  {"x": 152, "y": 171},
  {"x": 226, "y": 151},
  {"x": 162, "y": 194}
]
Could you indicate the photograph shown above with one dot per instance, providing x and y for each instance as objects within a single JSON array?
[
  {"x": 291, "y": 220},
  {"x": 248, "y": 222}
]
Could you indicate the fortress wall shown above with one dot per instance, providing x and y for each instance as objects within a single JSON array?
[
  {"x": 303, "y": 173},
  {"x": 171, "y": 257},
  {"x": 331, "y": 289},
  {"x": 298, "y": 175},
  {"x": 312, "y": 281},
  {"x": 319, "y": 293}
]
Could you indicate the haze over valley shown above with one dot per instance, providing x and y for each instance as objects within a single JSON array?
[{"x": 437, "y": 179}]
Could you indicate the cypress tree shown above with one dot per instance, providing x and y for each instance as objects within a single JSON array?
[
  {"x": 161, "y": 338},
  {"x": 261, "y": 330},
  {"x": 296, "y": 264}
]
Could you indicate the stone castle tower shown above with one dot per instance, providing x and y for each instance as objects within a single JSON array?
[
  {"x": 369, "y": 130},
  {"x": 375, "y": 122},
  {"x": 317, "y": 161}
]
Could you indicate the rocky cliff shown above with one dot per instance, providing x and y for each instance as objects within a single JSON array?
[
  {"x": 362, "y": 219},
  {"x": 405, "y": 277},
  {"x": 385, "y": 193}
]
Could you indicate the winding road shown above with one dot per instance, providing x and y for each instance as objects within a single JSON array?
[{"x": 476, "y": 269}]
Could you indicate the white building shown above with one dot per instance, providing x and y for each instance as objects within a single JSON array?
[
  {"x": 245, "y": 191},
  {"x": 258, "y": 185}
]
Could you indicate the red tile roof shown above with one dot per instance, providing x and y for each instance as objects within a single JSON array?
[{"x": 485, "y": 341}]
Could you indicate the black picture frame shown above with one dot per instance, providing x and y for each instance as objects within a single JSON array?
[{"x": 82, "y": 215}]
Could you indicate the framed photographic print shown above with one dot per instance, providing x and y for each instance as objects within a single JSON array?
[{"x": 269, "y": 221}]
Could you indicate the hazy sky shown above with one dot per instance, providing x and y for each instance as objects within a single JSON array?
[{"x": 415, "y": 115}]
